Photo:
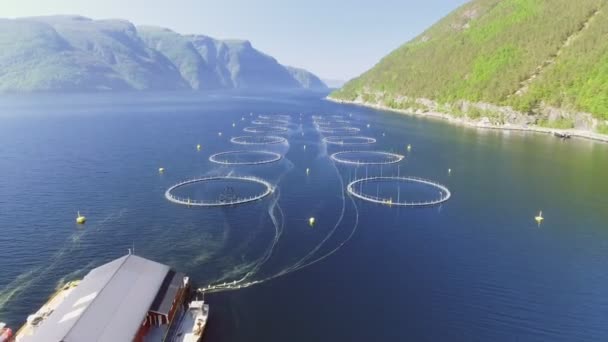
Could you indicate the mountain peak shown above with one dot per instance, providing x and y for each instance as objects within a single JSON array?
[{"x": 75, "y": 53}]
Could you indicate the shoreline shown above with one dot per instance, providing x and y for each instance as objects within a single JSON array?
[{"x": 574, "y": 133}]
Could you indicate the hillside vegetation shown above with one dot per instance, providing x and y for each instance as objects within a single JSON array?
[
  {"x": 537, "y": 57},
  {"x": 73, "y": 53}
]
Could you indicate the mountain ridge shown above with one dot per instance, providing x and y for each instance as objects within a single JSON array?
[
  {"x": 76, "y": 53},
  {"x": 506, "y": 62}
]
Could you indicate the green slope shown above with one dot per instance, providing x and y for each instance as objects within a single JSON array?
[{"x": 527, "y": 54}]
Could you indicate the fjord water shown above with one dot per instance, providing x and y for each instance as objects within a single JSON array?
[{"x": 476, "y": 268}]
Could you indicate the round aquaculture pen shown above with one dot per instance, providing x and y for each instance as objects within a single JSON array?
[
  {"x": 275, "y": 117},
  {"x": 360, "y": 189},
  {"x": 270, "y": 122},
  {"x": 258, "y": 140},
  {"x": 226, "y": 198},
  {"x": 366, "y": 157},
  {"x": 245, "y": 157},
  {"x": 339, "y": 130},
  {"x": 266, "y": 129},
  {"x": 349, "y": 140}
]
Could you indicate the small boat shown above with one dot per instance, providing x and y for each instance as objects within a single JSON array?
[
  {"x": 193, "y": 323},
  {"x": 562, "y": 135}
]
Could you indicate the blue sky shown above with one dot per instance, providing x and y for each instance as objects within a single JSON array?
[{"x": 334, "y": 39}]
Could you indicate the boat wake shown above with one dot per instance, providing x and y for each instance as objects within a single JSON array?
[{"x": 310, "y": 258}]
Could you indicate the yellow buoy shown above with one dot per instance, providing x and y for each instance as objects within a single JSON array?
[
  {"x": 307, "y": 170},
  {"x": 198, "y": 147},
  {"x": 311, "y": 221},
  {"x": 539, "y": 219},
  {"x": 161, "y": 169},
  {"x": 80, "y": 219}
]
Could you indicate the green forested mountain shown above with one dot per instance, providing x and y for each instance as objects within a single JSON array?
[
  {"x": 536, "y": 56},
  {"x": 75, "y": 53}
]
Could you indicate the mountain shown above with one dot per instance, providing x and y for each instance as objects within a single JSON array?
[
  {"x": 74, "y": 53},
  {"x": 306, "y": 79},
  {"x": 530, "y": 62},
  {"x": 333, "y": 83}
]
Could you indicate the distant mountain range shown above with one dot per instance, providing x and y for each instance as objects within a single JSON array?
[
  {"x": 74, "y": 53},
  {"x": 333, "y": 83},
  {"x": 500, "y": 62}
]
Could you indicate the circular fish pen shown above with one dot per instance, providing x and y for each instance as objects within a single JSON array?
[
  {"x": 276, "y": 122},
  {"x": 342, "y": 121},
  {"x": 245, "y": 157},
  {"x": 366, "y": 157},
  {"x": 349, "y": 140},
  {"x": 275, "y": 117},
  {"x": 266, "y": 129},
  {"x": 270, "y": 122},
  {"x": 392, "y": 195},
  {"x": 227, "y": 198},
  {"x": 258, "y": 140},
  {"x": 339, "y": 130}
]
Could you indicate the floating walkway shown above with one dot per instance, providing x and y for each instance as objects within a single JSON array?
[
  {"x": 218, "y": 203},
  {"x": 445, "y": 192}
]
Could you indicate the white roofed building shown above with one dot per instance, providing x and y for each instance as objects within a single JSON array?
[{"x": 126, "y": 299}]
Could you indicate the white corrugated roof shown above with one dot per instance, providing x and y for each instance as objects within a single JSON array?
[{"x": 109, "y": 304}]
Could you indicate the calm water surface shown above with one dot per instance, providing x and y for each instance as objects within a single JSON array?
[{"x": 477, "y": 268}]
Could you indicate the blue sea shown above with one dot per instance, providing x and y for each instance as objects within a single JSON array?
[{"x": 475, "y": 268}]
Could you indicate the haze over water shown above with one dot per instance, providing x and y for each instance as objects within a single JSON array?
[{"x": 475, "y": 268}]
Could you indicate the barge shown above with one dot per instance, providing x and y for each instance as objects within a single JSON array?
[{"x": 128, "y": 299}]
